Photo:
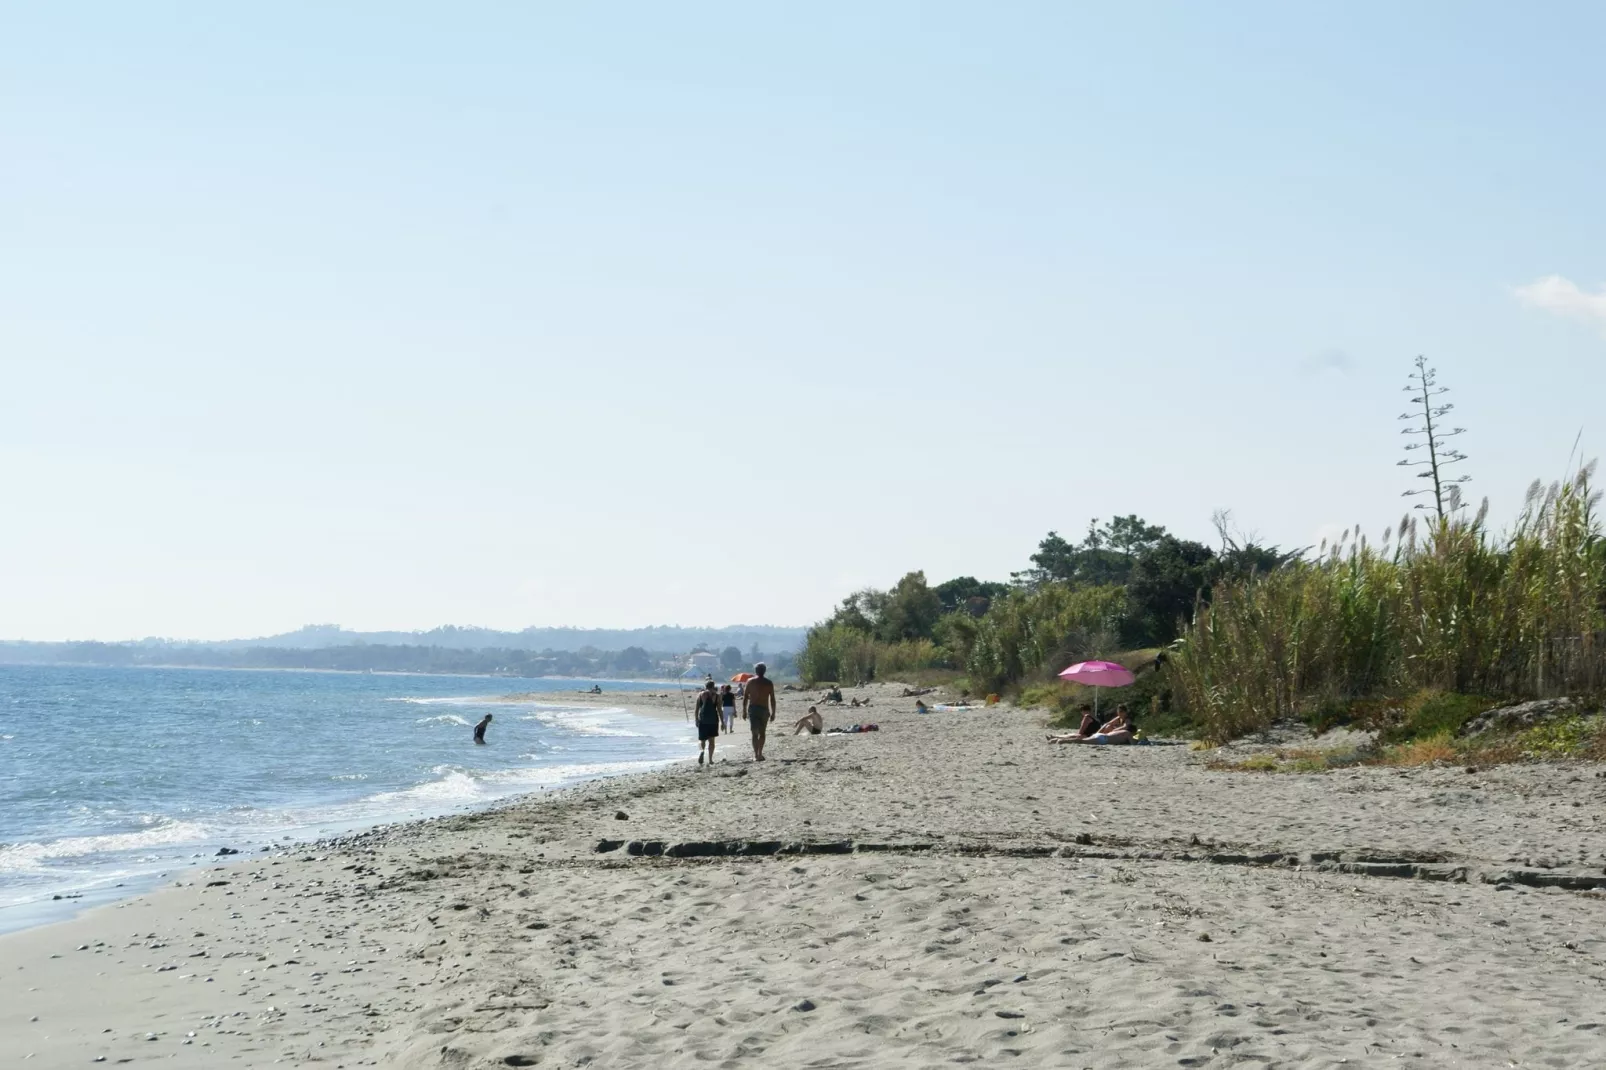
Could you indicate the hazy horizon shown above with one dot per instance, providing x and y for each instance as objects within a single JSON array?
[
  {"x": 179, "y": 640},
  {"x": 396, "y": 316}
]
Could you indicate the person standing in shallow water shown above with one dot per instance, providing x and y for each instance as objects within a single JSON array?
[
  {"x": 479, "y": 729},
  {"x": 707, "y": 718},
  {"x": 758, "y": 706}
]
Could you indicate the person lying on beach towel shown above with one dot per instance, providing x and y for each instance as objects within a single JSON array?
[{"x": 811, "y": 721}]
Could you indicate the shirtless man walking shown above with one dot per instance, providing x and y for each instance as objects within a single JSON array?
[{"x": 758, "y": 706}]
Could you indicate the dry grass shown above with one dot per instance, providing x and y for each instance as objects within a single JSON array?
[
  {"x": 1289, "y": 760},
  {"x": 1439, "y": 748}
]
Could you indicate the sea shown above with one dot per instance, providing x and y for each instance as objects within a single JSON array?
[{"x": 112, "y": 779}]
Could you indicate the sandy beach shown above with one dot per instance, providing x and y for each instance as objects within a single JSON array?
[{"x": 949, "y": 889}]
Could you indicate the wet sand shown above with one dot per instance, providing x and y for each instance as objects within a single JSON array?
[{"x": 949, "y": 889}]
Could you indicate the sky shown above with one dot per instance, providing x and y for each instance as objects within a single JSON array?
[{"x": 396, "y": 315}]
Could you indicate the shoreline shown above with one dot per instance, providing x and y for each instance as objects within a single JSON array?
[
  {"x": 67, "y": 900},
  {"x": 949, "y": 888}
]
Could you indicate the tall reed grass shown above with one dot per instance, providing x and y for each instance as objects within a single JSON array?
[
  {"x": 1027, "y": 632},
  {"x": 1454, "y": 608},
  {"x": 843, "y": 654}
]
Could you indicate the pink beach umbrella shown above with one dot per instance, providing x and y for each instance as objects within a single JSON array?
[{"x": 1098, "y": 674}]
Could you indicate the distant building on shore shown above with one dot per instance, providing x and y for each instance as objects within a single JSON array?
[{"x": 704, "y": 661}]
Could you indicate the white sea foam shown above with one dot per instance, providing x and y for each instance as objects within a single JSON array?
[
  {"x": 444, "y": 718},
  {"x": 585, "y": 720},
  {"x": 23, "y": 857}
]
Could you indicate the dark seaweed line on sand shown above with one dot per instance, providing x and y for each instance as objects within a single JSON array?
[{"x": 1358, "y": 863}]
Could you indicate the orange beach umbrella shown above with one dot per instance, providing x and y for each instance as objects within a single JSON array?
[{"x": 742, "y": 678}]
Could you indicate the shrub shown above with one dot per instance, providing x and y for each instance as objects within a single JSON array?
[
  {"x": 839, "y": 652},
  {"x": 1027, "y": 633},
  {"x": 1435, "y": 748},
  {"x": 1429, "y": 713}
]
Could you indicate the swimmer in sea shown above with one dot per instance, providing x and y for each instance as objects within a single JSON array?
[{"x": 479, "y": 729}]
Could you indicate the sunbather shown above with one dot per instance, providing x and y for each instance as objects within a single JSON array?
[
  {"x": 1117, "y": 729},
  {"x": 811, "y": 721}
]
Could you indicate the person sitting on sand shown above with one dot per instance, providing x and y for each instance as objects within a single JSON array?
[
  {"x": 1117, "y": 729},
  {"x": 707, "y": 718},
  {"x": 479, "y": 729},
  {"x": 596, "y": 689},
  {"x": 812, "y": 721}
]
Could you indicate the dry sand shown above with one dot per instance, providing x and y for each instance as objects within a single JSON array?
[{"x": 1003, "y": 902}]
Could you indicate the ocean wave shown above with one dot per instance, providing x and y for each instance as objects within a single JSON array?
[
  {"x": 23, "y": 857},
  {"x": 584, "y": 720},
  {"x": 448, "y": 700},
  {"x": 444, "y": 718}
]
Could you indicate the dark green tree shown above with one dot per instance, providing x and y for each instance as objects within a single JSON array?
[
  {"x": 909, "y": 611},
  {"x": 1104, "y": 556},
  {"x": 1166, "y": 582},
  {"x": 969, "y": 594},
  {"x": 633, "y": 659},
  {"x": 730, "y": 659}
]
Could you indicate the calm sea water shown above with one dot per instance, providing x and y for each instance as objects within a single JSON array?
[{"x": 110, "y": 778}]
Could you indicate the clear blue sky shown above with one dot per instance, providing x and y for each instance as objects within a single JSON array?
[{"x": 396, "y": 315}]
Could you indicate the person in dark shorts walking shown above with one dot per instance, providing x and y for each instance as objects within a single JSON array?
[
  {"x": 479, "y": 729},
  {"x": 758, "y": 707},
  {"x": 707, "y": 718}
]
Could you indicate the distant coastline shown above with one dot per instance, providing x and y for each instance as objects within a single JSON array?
[{"x": 639, "y": 654}]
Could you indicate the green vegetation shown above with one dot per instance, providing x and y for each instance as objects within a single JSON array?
[
  {"x": 1456, "y": 609},
  {"x": 1571, "y": 738},
  {"x": 1411, "y": 636},
  {"x": 1121, "y": 592}
]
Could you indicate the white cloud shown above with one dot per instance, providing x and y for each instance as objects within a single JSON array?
[{"x": 1563, "y": 297}]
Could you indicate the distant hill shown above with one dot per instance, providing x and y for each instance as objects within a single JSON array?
[
  {"x": 452, "y": 637},
  {"x": 531, "y": 652}
]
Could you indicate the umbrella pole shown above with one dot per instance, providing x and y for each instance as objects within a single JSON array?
[{"x": 1095, "y": 705}]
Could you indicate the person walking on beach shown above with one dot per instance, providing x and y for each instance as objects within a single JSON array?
[
  {"x": 727, "y": 709},
  {"x": 758, "y": 707},
  {"x": 707, "y": 718},
  {"x": 479, "y": 729}
]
